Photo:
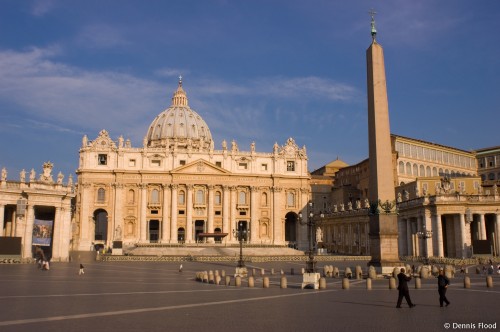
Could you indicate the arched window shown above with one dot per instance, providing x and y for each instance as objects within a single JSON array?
[
  {"x": 434, "y": 171},
  {"x": 218, "y": 198},
  {"x": 415, "y": 170},
  {"x": 408, "y": 168},
  {"x": 290, "y": 199},
  {"x": 101, "y": 195},
  {"x": 491, "y": 176},
  {"x": 401, "y": 167},
  {"x": 181, "y": 199},
  {"x": 200, "y": 197},
  {"x": 131, "y": 196},
  {"x": 422, "y": 170},
  {"x": 242, "y": 199},
  {"x": 155, "y": 197},
  {"x": 263, "y": 199},
  {"x": 441, "y": 172}
]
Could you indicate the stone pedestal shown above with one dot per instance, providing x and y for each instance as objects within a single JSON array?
[
  {"x": 384, "y": 243},
  {"x": 241, "y": 272},
  {"x": 311, "y": 280},
  {"x": 117, "y": 251}
]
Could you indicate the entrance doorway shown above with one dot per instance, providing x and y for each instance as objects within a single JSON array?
[
  {"x": 43, "y": 230},
  {"x": 181, "y": 235},
  {"x": 154, "y": 231},
  {"x": 199, "y": 227},
  {"x": 291, "y": 219}
]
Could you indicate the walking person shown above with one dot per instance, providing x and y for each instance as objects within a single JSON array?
[
  {"x": 180, "y": 268},
  {"x": 443, "y": 283},
  {"x": 81, "y": 269},
  {"x": 403, "y": 289}
]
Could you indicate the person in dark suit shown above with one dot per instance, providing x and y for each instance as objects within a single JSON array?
[
  {"x": 403, "y": 289},
  {"x": 443, "y": 283}
]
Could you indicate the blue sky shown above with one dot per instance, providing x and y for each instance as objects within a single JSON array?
[{"x": 254, "y": 70}]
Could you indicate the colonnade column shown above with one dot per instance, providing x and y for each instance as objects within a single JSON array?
[
  {"x": 402, "y": 230},
  {"x": 482, "y": 227},
  {"x": 189, "y": 213},
  {"x": 142, "y": 221},
  {"x": 409, "y": 238},
  {"x": 302, "y": 229},
  {"x": 277, "y": 215},
  {"x": 210, "y": 206},
  {"x": 2, "y": 220},
  {"x": 438, "y": 236},
  {"x": 165, "y": 231},
  {"x": 254, "y": 218},
  {"x": 225, "y": 211},
  {"x": 173, "y": 217},
  {"x": 118, "y": 208},
  {"x": 86, "y": 218},
  {"x": 57, "y": 234},
  {"x": 28, "y": 231},
  {"x": 497, "y": 233},
  {"x": 66, "y": 232},
  {"x": 428, "y": 226},
  {"x": 462, "y": 238}
]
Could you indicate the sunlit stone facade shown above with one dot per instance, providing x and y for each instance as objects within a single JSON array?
[{"x": 177, "y": 189}]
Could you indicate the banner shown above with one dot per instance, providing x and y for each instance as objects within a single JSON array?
[{"x": 42, "y": 232}]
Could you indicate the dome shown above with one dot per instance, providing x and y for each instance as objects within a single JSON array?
[{"x": 179, "y": 126}]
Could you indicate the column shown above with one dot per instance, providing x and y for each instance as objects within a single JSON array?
[
  {"x": 482, "y": 227},
  {"x": 403, "y": 245},
  {"x": 118, "y": 208},
  {"x": 165, "y": 236},
  {"x": 143, "y": 207},
  {"x": 460, "y": 246},
  {"x": 438, "y": 236},
  {"x": 233, "y": 212},
  {"x": 428, "y": 225},
  {"x": 57, "y": 234},
  {"x": 85, "y": 219},
  {"x": 277, "y": 229},
  {"x": 496, "y": 238},
  {"x": 409, "y": 238},
  {"x": 302, "y": 241},
  {"x": 173, "y": 217},
  {"x": 225, "y": 212},
  {"x": 2, "y": 220},
  {"x": 28, "y": 231},
  {"x": 210, "y": 207},
  {"x": 189, "y": 214},
  {"x": 66, "y": 232},
  {"x": 254, "y": 218}
]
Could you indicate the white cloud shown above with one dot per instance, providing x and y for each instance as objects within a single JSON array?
[
  {"x": 42, "y": 7},
  {"x": 102, "y": 36}
]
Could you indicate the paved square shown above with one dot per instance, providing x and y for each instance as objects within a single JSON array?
[{"x": 153, "y": 296}]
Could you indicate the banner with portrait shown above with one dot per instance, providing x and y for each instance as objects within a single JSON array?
[{"x": 42, "y": 232}]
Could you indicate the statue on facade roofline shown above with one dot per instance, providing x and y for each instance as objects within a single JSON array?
[
  {"x": 60, "y": 178},
  {"x": 32, "y": 175},
  {"x": 22, "y": 176}
]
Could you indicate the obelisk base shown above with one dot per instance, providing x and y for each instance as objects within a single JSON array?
[{"x": 384, "y": 243}]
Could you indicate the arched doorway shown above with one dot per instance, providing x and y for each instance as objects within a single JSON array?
[
  {"x": 218, "y": 239},
  {"x": 181, "y": 235},
  {"x": 291, "y": 220},
  {"x": 43, "y": 227},
  {"x": 101, "y": 225},
  {"x": 242, "y": 226}
]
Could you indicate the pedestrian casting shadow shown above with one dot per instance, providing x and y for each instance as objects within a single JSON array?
[{"x": 384, "y": 304}]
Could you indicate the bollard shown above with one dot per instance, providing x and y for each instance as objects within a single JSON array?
[
  {"x": 372, "y": 273},
  {"x": 418, "y": 283},
  {"x": 205, "y": 276},
  {"x": 359, "y": 273},
  {"x": 424, "y": 272},
  {"x": 262, "y": 272},
  {"x": 228, "y": 280},
  {"x": 466, "y": 282},
  {"x": 348, "y": 272},
  {"x": 223, "y": 273},
  {"x": 253, "y": 272},
  {"x": 292, "y": 271},
  {"x": 265, "y": 282},
  {"x": 283, "y": 282},
  {"x": 237, "y": 281},
  {"x": 322, "y": 283},
  {"x": 345, "y": 283},
  {"x": 478, "y": 270},
  {"x": 216, "y": 273},
  {"x": 272, "y": 271},
  {"x": 251, "y": 281},
  {"x": 336, "y": 273},
  {"x": 489, "y": 282},
  {"x": 217, "y": 279},
  {"x": 392, "y": 283},
  {"x": 302, "y": 271},
  {"x": 282, "y": 272},
  {"x": 211, "y": 277},
  {"x": 369, "y": 284}
]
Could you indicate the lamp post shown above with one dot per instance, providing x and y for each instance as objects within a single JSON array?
[
  {"x": 241, "y": 234},
  {"x": 311, "y": 226},
  {"x": 425, "y": 234}
]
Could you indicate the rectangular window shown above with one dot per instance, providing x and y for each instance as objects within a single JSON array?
[
  {"x": 263, "y": 167},
  {"x": 242, "y": 166},
  {"x": 154, "y": 211},
  {"x": 218, "y": 213},
  {"x": 182, "y": 162},
  {"x": 181, "y": 211},
  {"x": 243, "y": 213},
  {"x": 218, "y": 164},
  {"x": 290, "y": 166},
  {"x": 131, "y": 163},
  {"x": 102, "y": 159},
  {"x": 156, "y": 163}
]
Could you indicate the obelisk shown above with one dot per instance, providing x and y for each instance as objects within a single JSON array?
[{"x": 383, "y": 217}]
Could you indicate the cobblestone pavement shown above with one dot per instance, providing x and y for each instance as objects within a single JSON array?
[{"x": 152, "y": 296}]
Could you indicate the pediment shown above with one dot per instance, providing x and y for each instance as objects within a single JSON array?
[{"x": 200, "y": 166}]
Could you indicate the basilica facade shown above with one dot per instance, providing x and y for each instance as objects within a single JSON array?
[{"x": 178, "y": 189}]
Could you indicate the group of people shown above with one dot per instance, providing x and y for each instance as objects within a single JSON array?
[
  {"x": 42, "y": 261},
  {"x": 404, "y": 291}
]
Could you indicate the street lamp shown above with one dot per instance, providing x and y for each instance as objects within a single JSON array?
[
  {"x": 425, "y": 234},
  {"x": 241, "y": 234},
  {"x": 311, "y": 226}
]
